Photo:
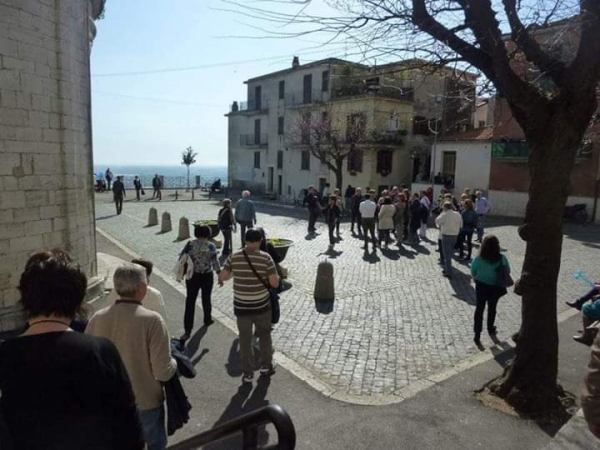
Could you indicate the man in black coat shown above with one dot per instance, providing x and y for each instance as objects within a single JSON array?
[{"x": 119, "y": 194}]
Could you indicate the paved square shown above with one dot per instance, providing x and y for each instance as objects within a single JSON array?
[{"x": 396, "y": 322}]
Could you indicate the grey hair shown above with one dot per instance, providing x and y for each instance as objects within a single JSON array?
[
  {"x": 127, "y": 278},
  {"x": 447, "y": 205},
  {"x": 245, "y": 194}
]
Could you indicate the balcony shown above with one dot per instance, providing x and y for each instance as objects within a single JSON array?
[
  {"x": 249, "y": 106},
  {"x": 254, "y": 140},
  {"x": 363, "y": 89},
  {"x": 305, "y": 98}
]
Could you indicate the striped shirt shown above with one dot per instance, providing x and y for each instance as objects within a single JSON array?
[{"x": 250, "y": 296}]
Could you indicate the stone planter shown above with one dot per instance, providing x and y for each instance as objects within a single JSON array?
[
  {"x": 212, "y": 224},
  {"x": 281, "y": 246}
]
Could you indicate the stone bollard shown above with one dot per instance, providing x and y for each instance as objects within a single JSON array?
[
  {"x": 165, "y": 225},
  {"x": 152, "y": 217},
  {"x": 184, "y": 229}
]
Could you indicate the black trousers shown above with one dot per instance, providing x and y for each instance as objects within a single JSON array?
[
  {"x": 486, "y": 294},
  {"x": 227, "y": 245},
  {"x": 157, "y": 193},
  {"x": 199, "y": 282},
  {"x": 312, "y": 220},
  {"x": 137, "y": 193},
  {"x": 119, "y": 203},
  {"x": 244, "y": 225},
  {"x": 355, "y": 218},
  {"x": 369, "y": 227},
  {"x": 331, "y": 226}
]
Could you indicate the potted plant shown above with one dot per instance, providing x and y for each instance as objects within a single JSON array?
[{"x": 281, "y": 246}]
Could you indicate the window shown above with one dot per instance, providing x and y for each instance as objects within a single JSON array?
[
  {"x": 280, "y": 159},
  {"x": 481, "y": 124},
  {"x": 305, "y": 129},
  {"x": 257, "y": 132},
  {"x": 384, "y": 162},
  {"x": 356, "y": 126},
  {"x": 258, "y": 97},
  {"x": 305, "y": 164},
  {"x": 510, "y": 149},
  {"x": 448, "y": 163},
  {"x": 420, "y": 125},
  {"x": 307, "y": 92},
  {"x": 355, "y": 160},
  {"x": 280, "y": 124},
  {"x": 325, "y": 81},
  {"x": 257, "y": 160},
  {"x": 281, "y": 89}
]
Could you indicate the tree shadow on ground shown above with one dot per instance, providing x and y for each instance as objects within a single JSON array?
[
  {"x": 463, "y": 289},
  {"x": 324, "y": 306},
  {"x": 245, "y": 400}
]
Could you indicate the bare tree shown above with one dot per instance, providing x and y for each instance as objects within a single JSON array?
[{"x": 503, "y": 39}]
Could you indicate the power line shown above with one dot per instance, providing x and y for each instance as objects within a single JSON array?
[{"x": 160, "y": 100}]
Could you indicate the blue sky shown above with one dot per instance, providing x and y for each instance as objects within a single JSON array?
[{"x": 142, "y": 35}]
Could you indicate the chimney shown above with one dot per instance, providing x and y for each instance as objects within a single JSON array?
[{"x": 295, "y": 62}]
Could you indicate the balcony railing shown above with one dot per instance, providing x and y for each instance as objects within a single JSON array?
[
  {"x": 250, "y": 105},
  {"x": 361, "y": 89},
  {"x": 254, "y": 140},
  {"x": 306, "y": 98}
]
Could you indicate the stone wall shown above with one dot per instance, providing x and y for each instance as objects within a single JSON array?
[{"x": 46, "y": 191}]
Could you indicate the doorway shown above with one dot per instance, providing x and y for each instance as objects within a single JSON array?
[
  {"x": 270, "y": 179},
  {"x": 279, "y": 184}
]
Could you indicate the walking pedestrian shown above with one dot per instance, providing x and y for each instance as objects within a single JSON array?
[
  {"x": 142, "y": 338},
  {"x": 245, "y": 214},
  {"x": 332, "y": 216},
  {"x": 226, "y": 222},
  {"x": 415, "y": 219},
  {"x": 482, "y": 208},
  {"x": 109, "y": 177},
  {"x": 400, "y": 206},
  {"x": 62, "y": 389},
  {"x": 253, "y": 272},
  {"x": 368, "y": 209},
  {"x": 157, "y": 185},
  {"x": 449, "y": 222},
  {"x": 205, "y": 259},
  {"x": 484, "y": 270},
  {"x": 350, "y": 191},
  {"x": 340, "y": 204},
  {"x": 470, "y": 219},
  {"x": 424, "y": 214},
  {"x": 386, "y": 221},
  {"x": 119, "y": 194},
  {"x": 137, "y": 184},
  {"x": 314, "y": 209},
  {"x": 355, "y": 202}
]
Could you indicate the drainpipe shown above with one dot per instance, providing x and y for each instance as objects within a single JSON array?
[{"x": 596, "y": 191}]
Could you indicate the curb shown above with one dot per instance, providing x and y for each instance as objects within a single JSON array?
[{"x": 329, "y": 391}]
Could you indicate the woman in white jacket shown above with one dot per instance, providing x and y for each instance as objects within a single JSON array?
[{"x": 386, "y": 220}]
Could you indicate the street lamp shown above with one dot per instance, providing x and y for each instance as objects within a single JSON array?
[{"x": 437, "y": 101}]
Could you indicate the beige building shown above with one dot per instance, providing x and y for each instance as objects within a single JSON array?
[
  {"x": 46, "y": 185},
  {"x": 386, "y": 115}
]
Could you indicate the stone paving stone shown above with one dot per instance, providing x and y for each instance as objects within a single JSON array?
[{"x": 395, "y": 320}]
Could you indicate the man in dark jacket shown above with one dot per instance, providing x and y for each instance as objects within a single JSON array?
[
  {"x": 119, "y": 193},
  {"x": 157, "y": 185},
  {"x": 314, "y": 208},
  {"x": 357, "y": 198}
]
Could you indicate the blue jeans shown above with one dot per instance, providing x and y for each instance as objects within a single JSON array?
[
  {"x": 153, "y": 423},
  {"x": 480, "y": 227},
  {"x": 448, "y": 242}
]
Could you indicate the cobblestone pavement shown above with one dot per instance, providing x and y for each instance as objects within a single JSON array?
[{"x": 396, "y": 321}]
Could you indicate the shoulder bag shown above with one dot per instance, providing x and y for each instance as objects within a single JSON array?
[
  {"x": 504, "y": 278},
  {"x": 273, "y": 295}
]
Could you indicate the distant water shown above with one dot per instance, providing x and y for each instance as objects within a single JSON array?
[{"x": 175, "y": 176}]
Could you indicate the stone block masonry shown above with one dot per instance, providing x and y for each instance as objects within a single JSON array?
[{"x": 46, "y": 184}]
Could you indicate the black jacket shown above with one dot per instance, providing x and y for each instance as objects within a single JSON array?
[{"x": 178, "y": 407}]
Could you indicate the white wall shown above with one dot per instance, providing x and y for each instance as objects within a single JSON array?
[{"x": 473, "y": 161}]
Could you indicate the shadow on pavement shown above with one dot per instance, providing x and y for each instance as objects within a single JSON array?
[
  {"x": 106, "y": 217},
  {"x": 233, "y": 366},
  {"x": 463, "y": 289},
  {"x": 372, "y": 257},
  {"x": 244, "y": 401}
]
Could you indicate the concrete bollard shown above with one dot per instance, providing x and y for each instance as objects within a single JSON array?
[
  {"x": 152, "y": 217},
  {"x": 184, "y": 229},
  {"x": 166, "y": 223},
  {"x": 324, "y": 289}
]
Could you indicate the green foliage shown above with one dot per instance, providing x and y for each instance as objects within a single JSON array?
[{"x": 188, "y": 157}]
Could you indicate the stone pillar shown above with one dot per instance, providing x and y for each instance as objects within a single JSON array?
[
  {"x": 46, "y": 180},
  {"x": 165, "y": 223},
  {"x": 152, "y": 217},
  {"x": 184, "y": 229}
]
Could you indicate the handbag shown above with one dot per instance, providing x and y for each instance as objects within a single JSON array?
[
  {"x": 143, "y": 192},
  {"x": 504, "y": 278},
  {"x": 273, "y": 294}
]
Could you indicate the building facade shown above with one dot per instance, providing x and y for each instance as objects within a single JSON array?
[
  {"x": 383, "y": 118},
  {"x": 46, "y": 183}
]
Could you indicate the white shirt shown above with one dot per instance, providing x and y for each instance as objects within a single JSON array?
[
  {"x": 425, "y": 202},
  {"x": 449, "y": 223},
  {"x": 367, "y": 209},
  {"x": 325, "y": 192},
  {"x": 153, "y": 300}
]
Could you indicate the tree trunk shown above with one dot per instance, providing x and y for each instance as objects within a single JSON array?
[
  {"x": 530, "y": 382},
  {"x": 188, "y": 179},
  {"x": 339, "y": 175}
]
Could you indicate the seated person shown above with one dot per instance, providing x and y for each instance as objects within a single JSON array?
[
  {"x": 595, "y": 291},
  {"x": 590, "y": 313}
]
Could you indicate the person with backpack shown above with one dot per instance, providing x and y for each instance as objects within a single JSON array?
[
  {"x": 488, "y": 289},
  {"x": 227, "y": 225}
]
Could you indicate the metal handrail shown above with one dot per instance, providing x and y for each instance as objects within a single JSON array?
[{"x": 248, "y": 424}]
